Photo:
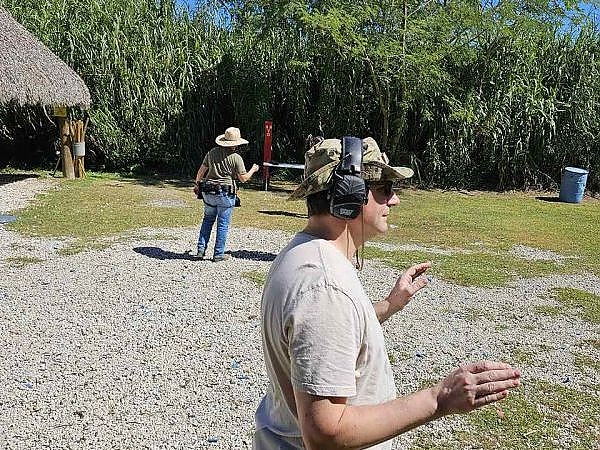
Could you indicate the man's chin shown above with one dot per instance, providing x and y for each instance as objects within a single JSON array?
[{"x": 383, "y": 229}]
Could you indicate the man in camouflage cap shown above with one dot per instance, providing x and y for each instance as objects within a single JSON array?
[
  {"x": 322, "y": 158},
  {"x": 331, "y": 383}
]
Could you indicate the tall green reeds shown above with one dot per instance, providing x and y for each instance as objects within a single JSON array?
[
  {"x": 518, "y": 114},
  {"x": 500, "y": 96}
]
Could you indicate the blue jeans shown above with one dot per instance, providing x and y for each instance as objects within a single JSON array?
[{"x": 216, "y": 207}]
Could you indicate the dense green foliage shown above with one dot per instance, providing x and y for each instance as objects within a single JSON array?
[{"x": 501, "y": 96}]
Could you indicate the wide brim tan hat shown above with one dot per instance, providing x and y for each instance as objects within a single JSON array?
[
  {"x": 231, "y": 138},
  {"x": 322, "y": 158}
]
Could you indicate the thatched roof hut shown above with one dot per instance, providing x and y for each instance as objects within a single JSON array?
[{"x": 31, "y": 74}]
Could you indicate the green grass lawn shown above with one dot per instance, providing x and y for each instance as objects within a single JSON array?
[
  {"x": 476, "y": 231},
  {"x": 482, "y": 228}
]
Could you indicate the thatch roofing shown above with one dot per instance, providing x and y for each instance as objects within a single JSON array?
[{"x": 31, "y": 74}]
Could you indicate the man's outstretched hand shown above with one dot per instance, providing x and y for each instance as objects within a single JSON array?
[{"x": 474, "y": 385}]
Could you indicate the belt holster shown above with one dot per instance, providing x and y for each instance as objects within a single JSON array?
[{"x": 210, "y": 187}]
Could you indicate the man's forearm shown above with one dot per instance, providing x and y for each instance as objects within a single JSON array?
[
  {"x": 356, "y": 427},
  {"x": 201, "y": 172},
  {"x": 329, "y": 423},
  {"x": 245, "y": 177},
  {"x": 384, "y": 310}
]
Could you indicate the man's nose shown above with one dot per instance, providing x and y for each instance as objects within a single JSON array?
[{"x": 393, "y": 200}]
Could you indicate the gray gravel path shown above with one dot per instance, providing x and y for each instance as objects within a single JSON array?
[{"x": 138, "y": 346}]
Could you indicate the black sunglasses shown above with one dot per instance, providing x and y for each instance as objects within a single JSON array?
[{"x": 387, "y": 187}]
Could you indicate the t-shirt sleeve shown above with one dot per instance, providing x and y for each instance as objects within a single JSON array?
[
  {"x": 238, "y": 162},
  {"x": 324, "y": 341}
]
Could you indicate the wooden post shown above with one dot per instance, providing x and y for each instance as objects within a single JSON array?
[
  {"x": 79, "y": 167},
  {"x": 67, "y": 159}
]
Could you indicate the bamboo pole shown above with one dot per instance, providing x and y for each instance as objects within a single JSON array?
[{"x": 78, "y": 136}]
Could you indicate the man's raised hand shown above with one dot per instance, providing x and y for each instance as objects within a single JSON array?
[{"x": 409, "y": 283}]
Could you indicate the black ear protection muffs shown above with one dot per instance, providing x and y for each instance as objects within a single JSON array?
[{"x": 348, "y": 191}]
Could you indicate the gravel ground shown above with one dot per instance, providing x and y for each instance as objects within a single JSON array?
[{"x": 138, "y": 346}]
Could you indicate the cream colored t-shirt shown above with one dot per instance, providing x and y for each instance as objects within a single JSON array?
[
  {"x": 223, "y": 166},
  {"x": 321, "y": 336}
]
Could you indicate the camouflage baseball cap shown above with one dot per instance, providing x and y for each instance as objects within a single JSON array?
[{"x": 321, "y": 159}]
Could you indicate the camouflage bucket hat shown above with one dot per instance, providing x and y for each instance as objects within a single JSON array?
[{"x": 321, "y": 159}]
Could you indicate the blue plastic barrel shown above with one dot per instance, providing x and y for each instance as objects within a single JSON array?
[{"x": 572, "y": 184}]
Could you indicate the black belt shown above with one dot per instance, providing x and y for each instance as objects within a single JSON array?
[{"x": 216, "y": 188}]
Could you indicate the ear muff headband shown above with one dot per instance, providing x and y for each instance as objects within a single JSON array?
[{"x": 348, "y": 191}]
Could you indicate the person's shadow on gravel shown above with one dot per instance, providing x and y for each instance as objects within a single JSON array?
[
  {"x": 159, "y": 253},
  {"x": 254, "y": 255}
]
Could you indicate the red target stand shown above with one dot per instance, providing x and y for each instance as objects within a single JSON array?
[
  {"x": 267, "y": 148},
  {"x": 267, "y": 159}
]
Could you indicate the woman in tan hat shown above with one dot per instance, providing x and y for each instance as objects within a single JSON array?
[{"x": 215, "y": 184}]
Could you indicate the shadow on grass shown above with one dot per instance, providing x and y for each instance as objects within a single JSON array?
[
  {"x": 172, "y": 180},
  {"x": 6, "y": 178},
  {"x": 283, "y": 213},
  {"x": 279, "y": 189},
  {"x": 165, "y": 183},
  {"x": 548, "y": 199}
]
